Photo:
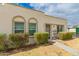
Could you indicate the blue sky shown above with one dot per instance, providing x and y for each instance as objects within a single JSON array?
[{"x": 70, "y": 11}]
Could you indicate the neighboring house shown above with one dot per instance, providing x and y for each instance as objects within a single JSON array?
[{"x": 15, "y": 19}]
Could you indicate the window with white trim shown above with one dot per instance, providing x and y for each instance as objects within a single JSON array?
[
  {"x": 19, "y": 27},
  {"x": 32, "y": 28},
  {"x": 18, "y": 24}
]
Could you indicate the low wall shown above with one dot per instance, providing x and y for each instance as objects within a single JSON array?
[{"x": 31, "y": 40}]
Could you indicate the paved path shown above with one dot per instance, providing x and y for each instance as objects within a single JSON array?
[{"x": 73, "y": 51}]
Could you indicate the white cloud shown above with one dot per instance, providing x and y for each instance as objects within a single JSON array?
[
  {"x": 61, "y": 7},
  {"x": 66, "y": 10}
]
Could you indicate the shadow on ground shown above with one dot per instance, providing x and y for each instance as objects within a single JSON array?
[{"x": 22, "y": 49}]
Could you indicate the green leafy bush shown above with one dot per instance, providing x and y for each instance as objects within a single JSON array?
[
  {"x": 41, "y": 37},
  {"x": 19, "y": 39},
  {"x": 65, "y": 35},
  {"x": 2, "y": 41}
]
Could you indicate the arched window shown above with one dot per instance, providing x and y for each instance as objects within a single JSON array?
[
  {"x": 18, "y": 24},
  {"x": 32, "y": 26}
]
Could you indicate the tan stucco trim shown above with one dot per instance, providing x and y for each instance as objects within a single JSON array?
[
  {"x": 39, "y": 12},
  {"x": 13, "y": 20},
  {"x": 24, "y": 7}
]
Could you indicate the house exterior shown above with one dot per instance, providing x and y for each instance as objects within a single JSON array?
[{"x": 15, "y": 19}]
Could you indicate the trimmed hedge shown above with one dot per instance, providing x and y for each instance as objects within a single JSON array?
[
  {"x": 41, "y": 37},
  {"x": 65, "y": 35},
  {"x": 19, "y": 39},
  {"x": 12, "y": 41}
]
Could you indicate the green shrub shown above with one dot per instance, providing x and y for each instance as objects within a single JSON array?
[
  {"x": 19, "y": 39},
  {"x": 2, "y": 41},
  {"x": 65, "y": 35},
  {"x": 41, "y": 37}
]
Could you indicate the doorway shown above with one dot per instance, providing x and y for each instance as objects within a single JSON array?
[{"x": 48, "y": 29}]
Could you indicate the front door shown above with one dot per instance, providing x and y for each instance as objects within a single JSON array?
[
  {"x": 60, "y": 28},
  {"x": 48, "y": 29}
]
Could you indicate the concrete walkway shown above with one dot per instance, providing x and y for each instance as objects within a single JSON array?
[{"x": 73, "y": 51}]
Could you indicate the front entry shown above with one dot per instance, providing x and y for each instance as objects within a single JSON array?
[
  {"x": 60, "y": 28},
  {"x": 48, "y": 29}
]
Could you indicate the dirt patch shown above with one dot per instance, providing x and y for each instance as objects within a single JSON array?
[
  {"x": 36, "y": 50},
  {"x": 74, "y": 43}
]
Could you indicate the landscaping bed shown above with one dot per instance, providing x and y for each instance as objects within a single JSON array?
[
  {"x": 17, "y": 45},
  {"x": 36, "y": 50},
  {"x": 44, "y": 50}
]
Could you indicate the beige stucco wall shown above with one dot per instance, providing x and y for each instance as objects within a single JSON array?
[{"x": 8, "y": 11}]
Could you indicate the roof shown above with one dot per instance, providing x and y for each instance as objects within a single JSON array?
[{"x": 37, "y": 11}]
